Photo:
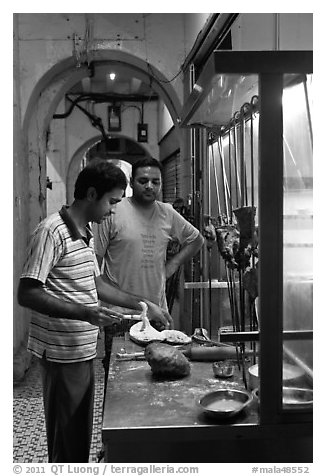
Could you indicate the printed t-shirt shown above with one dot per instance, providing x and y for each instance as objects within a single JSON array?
[{"x": 134, "y": 246}]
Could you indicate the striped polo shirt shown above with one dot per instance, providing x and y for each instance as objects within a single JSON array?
[{"x": 60, "y": 258}]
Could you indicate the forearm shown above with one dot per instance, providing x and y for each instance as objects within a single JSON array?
[
  {"x": 185, "y": 254},
  {"x": 113, "y": 295},
  {"x": 38, "y": 299}
]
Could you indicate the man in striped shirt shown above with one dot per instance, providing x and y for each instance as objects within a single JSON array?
[{"x": 61, "y": 282}]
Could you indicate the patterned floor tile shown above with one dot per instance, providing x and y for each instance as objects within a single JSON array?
[{"x": 29, "y": 437}]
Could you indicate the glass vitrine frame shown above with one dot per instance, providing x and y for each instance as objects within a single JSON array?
[{"x": 269, "y": 67}]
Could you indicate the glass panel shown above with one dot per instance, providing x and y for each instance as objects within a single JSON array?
[
  {"x": 227, "y": 93},
  {"x": 297, "y": 241},
  {"x": 233, "y": 174}
]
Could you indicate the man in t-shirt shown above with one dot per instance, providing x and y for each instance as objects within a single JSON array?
[
  {"x": 133, "y": 241},
  {"x": 61, "y": 281}
]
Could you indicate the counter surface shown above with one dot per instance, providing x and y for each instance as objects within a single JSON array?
[
  {"x": 150, "y": 420},
  {"x": 135, "y": 398}
]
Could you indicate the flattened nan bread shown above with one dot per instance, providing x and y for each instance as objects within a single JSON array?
[
  {"x": 173, "y": 336},
  {"x": 144, "y": 333},
  {"x": 149, "y": 334}
]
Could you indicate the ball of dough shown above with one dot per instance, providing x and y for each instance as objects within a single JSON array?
[{"x": 166, "y": 360}]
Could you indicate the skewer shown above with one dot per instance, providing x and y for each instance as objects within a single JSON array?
[
  {"x": 293, "y": 159},
  {"x": 236, "y": 311},
  {"x": 230, "y": 295},
  {"x": 241, "y": 301},
  {"x": 230, "y": 290},
  {"x": 225, "y": 184},
  {"x": 230, "y": 174},
  {"x": 244, "y": 377},
  {"x": 252, "y": 325},
  {"x": 209, "y": 255},
  {"x": 252, "y": 154},
  {"x": 237, "y": 186},
  {"x": 243, "y": 110},
  {"x": 241, "y": 160},
  {"x": 210, "y": 290},
  {"x": 308, "y": 110},
  {"x": 216, "y": 182}
]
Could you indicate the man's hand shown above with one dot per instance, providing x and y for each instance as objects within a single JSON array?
[
  {"x": 159, "y": 316},
  {"x": 102, "y": 316}
]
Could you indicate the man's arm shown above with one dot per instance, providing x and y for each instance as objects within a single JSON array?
[
  {"x": 187, "y": 252},
  {"x": 114, "y": 295},
  {"x": 33, "y": 295}
]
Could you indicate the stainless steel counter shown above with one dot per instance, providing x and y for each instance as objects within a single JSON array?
[{"x": 151, "y": 420}]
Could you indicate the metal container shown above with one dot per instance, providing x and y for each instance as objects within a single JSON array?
[
  {"x": 297, "y": 398},
  {"x": 293, "y": 398},
  {"x": 223, "y": 368},
  {"x": 290, "y": 374},
  {"x": 225, "y": 403}
]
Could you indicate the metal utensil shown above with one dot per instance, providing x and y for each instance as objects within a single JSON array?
[
  {"x": 130, "y": 355},
  {"x": 201, "y": 336}
]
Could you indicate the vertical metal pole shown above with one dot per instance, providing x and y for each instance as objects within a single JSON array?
[
  {"x": 242, "y": 160},
  {"x": 251, "y": 303},
  {"x": 252, "y": 155},
  {"x": 271, "y": 245},
  {"x": 236, "y": 172},
  {"x": 224, "y": 178},
  {"x": 196, "y": 317},
  {"x": 216, "y": 182},
  {"x": 192, "y": 152},
  {"x": 230, "y": 174}
]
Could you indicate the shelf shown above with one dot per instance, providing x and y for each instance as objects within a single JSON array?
[
  {"x": 215, "y": 284},
  {"x": 232, "y": 78}
]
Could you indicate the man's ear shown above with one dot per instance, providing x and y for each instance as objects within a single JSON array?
[{"x": 91, "y": 194}]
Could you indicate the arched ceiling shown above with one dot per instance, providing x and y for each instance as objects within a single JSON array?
[{"x": 126, "y": 82}]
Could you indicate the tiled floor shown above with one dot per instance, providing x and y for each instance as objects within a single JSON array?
[{"x": 29, "y": 444}]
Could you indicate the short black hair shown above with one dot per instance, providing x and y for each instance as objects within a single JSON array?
[
  {"x": 101, "y": 174},
  {"x": 145, "y": 162}
]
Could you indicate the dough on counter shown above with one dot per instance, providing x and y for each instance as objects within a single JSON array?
[
  {"x": 166, "y": 361},
  {"x": 143, "y": 332},
  {"x": 173, "y": 336},
  {"x": 149, "y": 334}
]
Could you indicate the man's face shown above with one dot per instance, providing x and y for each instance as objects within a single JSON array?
[
  {"x": 103, "y": 207},
  {"x": 146, "y": 184}
]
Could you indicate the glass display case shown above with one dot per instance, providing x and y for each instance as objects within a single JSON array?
[{"x": 255, "y": 110}]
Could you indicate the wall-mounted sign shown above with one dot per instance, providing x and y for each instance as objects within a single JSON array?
[{"x": 114, "y": 118}]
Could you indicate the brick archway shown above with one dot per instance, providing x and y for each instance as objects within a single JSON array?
[{"x": 44, "y": 101}]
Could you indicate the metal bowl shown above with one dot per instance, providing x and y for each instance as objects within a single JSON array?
[
  {"x": 290, "y": 374},
  {"x": 225, "y": 403},
  {"x": 297, "y": 398},
  {"x": 223, "y": 368},
  {"x": 293, "y": 397}
]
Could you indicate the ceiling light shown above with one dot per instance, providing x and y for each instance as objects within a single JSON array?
[{"x": 112, "y": 76}]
